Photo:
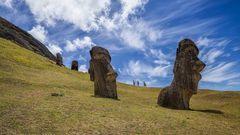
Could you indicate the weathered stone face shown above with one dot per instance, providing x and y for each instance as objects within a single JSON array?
[
  {"x": 74, "y": 65},
  {"x": 59, "y": 60},
  {"x": 102, "y": 73},
  {"x": 186, "y": 71}
]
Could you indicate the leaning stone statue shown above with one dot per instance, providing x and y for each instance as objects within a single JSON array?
[
  {"x": 102, "y": 73},
  {"x": 59, "y": 60},
  {"x": 186, "y": 71},
  {"x": 74, "y": 65}
]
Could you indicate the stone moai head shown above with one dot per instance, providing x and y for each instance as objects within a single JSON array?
[
  {"x": 186, "y": 71},
  {"x": 59, "y": 60},
  {"x": 102, "y": 73},
  {"x": 74, "y": 65},
  {"x": 187, "y": 66}
]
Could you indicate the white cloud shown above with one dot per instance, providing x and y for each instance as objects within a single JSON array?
[
  {"x": 203, "y": 41},
  {"x": 159, "y": 57},
  {"x": 83, "y": 68},
  {"x": 39, "y": 33},
  {"x": 220, "y": 73},
  {"x": 54, "y": 48},
  {"x": 72, "y": 46},
  {"x": 136, "y": 33},
  {"x": 82, "y": 13},
  {"x": 211, "y": 56},
  {"x": 212, "y": 42},
  {"x": 131, "y": 6},
  {"x": 7, "y": 3},
  {"x": 81, "y": 58},
  {"x": 137, "y": 69},
  {"x": 94, "y": 15}
]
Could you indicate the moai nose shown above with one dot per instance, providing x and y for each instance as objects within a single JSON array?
[{"x": 200, "y": 65}]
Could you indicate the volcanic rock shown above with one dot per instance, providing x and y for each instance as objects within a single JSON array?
[
  {"x": 102, "y": 73},
  {"x": 74, "y": 65},
  {"x": 11, "y": 32},
  {"x": 59, "y": 60},
  {"x": 186, "y": 71}
]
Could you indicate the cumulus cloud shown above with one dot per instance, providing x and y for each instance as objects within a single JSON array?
[
  {"x": 83, "y": 14},
  {"x": 83, "y": 68},
  {"x": 131, "y": 6},
  {"x": 39, "y": 33},
  {"x": 54, "y": 48},
  {"x": 137, "y": 33},
  {"x": 94, "y": 15},
  {"x": 7, "y": 3},
  {"x": 84, "y": 43}
]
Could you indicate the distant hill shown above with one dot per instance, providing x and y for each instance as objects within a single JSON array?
[
  {"x": 22, "y": 38},
  {"x": 27, "y": 107}
]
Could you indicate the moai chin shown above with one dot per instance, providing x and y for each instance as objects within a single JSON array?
[
  {"x": 59, "y": 60},
  {"x": 102, "y": 73},
  {"x": 186, "y": 71},
  {"x": 74, "y": 65}
]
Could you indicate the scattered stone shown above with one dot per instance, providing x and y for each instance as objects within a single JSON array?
[
  {"x": 59, "y": 60},
  {"x": 57, "y": 94},
  {"x": 102, "y": 73},
  {"x": 74, "y": 65},
  {"x": 137, "y": 83},
  {"x": 186, "y": 71},
  {"x": 134, "y": 83}
]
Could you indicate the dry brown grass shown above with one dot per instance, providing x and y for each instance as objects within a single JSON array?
[{"x": 27, "y": 107}]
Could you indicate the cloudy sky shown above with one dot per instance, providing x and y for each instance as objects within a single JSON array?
[{"x": 141, "y": 35}]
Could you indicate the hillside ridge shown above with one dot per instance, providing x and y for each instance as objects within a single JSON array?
[
  {"x": 27, "y": 107},
  {"x": 22, "y": 38}
]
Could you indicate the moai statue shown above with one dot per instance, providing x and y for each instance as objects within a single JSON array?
[
  {"x": 137, "y": 83},
  {"x": 134, "y": 83},
  {"x": 144, "y": 84},
  {"x": 59, "y": 60},
  {"x": 186, "y": 71},
  {"x": 102, "y": 73},
  {"x": 74, "y": 65}
]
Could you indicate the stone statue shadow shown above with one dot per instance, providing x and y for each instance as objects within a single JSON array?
[
  {"x": 208, "y": 111},
  {"x": 96, "y": 96}
]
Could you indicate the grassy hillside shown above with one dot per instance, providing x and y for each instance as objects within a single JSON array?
[{"x": 26, "y": 105}]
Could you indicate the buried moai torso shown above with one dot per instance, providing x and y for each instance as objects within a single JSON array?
[
  {"x": 59, "y": 60},
  {"x": 187, "y": 70},
  {"x": 102, "y": 73},
  {"x": 74, "y": 65}
]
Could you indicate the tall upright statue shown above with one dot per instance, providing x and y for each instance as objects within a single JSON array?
[
  {"x": 186, "y": 71},
  {"x": 102, "y": 73}
]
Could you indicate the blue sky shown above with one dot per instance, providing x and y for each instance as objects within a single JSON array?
[{"x": 141, "y": 35}]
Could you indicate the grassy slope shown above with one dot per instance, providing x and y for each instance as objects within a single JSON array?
[{"x": 26, "y": 105}]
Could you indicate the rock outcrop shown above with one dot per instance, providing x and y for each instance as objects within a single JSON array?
[
  {"x": 74, "y": 65},
  {"x": 102, "y": 73},
  {"x": 186, "y": 71},
  {"x": 59, "y": 60},
  {"x": 23, "y": 39}
]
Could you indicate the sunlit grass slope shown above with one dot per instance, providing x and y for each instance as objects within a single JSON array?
[{"x": 27, "y": 107}]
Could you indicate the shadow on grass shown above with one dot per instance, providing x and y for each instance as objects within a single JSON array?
[
  {"x": 105, "y": 98},
  {"x": 208, "y": 111}
]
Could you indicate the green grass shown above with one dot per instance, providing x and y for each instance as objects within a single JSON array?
[{"x": 27, "y": 107}]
